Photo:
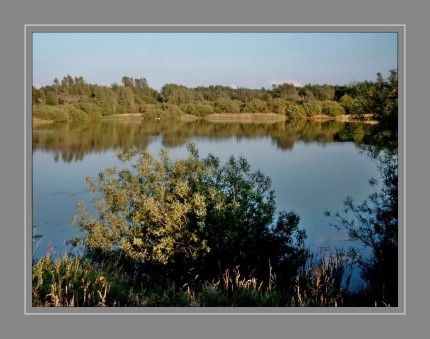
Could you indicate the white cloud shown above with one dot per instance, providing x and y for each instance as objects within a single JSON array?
[{"x": 285, "y": 81}]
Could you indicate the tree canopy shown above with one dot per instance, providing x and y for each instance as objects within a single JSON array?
[
  {"x": 377, "y": 99},
  {"x": 169, "y": 217}
]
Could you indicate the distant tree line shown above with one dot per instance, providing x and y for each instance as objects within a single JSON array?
[{"x": 75, "y": 99}]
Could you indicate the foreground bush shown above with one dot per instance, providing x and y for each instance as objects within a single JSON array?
[{"x": 159, "y": 219}]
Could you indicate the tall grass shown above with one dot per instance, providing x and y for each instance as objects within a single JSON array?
[
  {"x": 323, "y": 281},
  {"x": 72, "y": 281},
  {"x": 75, "y": 282}
]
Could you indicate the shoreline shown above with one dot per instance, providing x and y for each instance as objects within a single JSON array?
[
  {"x": 228, "y": 117},
  {"x": 245, "y": 117},
  {"x": 37, "y": 121}
]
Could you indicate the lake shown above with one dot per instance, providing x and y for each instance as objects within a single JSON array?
[{"x": 313, "y": 165}]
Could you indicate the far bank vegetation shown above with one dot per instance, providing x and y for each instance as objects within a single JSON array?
[{"x": 73, "y": 99}]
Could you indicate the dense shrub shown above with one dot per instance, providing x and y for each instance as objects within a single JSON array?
[
  {"x": 46, "y": 112},
  {"x": 227, "y": 106},
  {"x": 76, "y": 114},
  {"x": 312, "y": 109},
  {"x": 163, "y": 219},
  {"x": 277, "y": 105},
  {"x": 347, "y": 103},
  {"x": 200, "y": 109},
  {"x": 255, "y": 106},
  {"x": 65, "y": 113},
  {"x": 332, "y": 108},
  {"x": 158, "y": 110},
  {"x": 171, "y": 109},
  {"x": 294, "y": 110},
  {"x": 91, "y": 109},
  {"x": 152, "y": 109},
  {"x": 51, "y": 99},
  {"x": 204, "y": 109}
]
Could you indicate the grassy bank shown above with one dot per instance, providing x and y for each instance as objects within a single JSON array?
[{"x": 75, "y": 282}]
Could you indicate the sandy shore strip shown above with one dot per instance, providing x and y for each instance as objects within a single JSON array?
[
  {"x": 37, "y": 121},
  {"x": 229, "y": 117},
  {"x": 245, "y": 117}
]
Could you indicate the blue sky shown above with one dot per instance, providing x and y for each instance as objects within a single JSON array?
[{"x": 251, "y": 60}]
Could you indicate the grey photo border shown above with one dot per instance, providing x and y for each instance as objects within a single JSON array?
[{"x": 30, "y": 29}]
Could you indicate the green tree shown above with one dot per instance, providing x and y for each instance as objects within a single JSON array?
[
  {"x": 294, "y": 110},
  {"x": 312, "y": 109},
  {"x": 374, "y": 225},
  {"x": 38, "y": 96},
  {"x": 105, "y": 98},
  {"x": 67, "y": 85},
  {"x": 255, "y": 106},
  {"x": 332, "y": 108},
  {"x": 278, "y": 105},
  {"x": 348, "y": 104},
  {"x": 227, "y": 106},
  {"x": 56, "y": 85},
  {"x": 379, "y": 99},
  {"x": 164, "y": 218},
  {"x": 306, "y": 95},
  {"x": 177, "y": 94},
  {"x": 51, "y": 99},
  {"x": 321, "y": 92},
  {"x": 286, "y": 92},
  {"x": 125, "y": 100}
]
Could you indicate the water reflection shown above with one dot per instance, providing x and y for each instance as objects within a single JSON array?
[
  {"x": 312, "y": 177},
  {"x": 72, "y": 142}
]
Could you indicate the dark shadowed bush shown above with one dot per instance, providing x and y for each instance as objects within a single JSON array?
[
  {"x": 374, "y": 224},
  {"x": 162, "y": 218}
]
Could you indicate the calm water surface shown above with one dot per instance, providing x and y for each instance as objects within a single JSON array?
[{"x": 314, "y": 166}]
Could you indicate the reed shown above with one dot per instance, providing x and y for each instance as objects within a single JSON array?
[{"x": 71, "y": 281}]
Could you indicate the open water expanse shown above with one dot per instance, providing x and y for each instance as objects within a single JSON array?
[{"x": 313, "y": 165}]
